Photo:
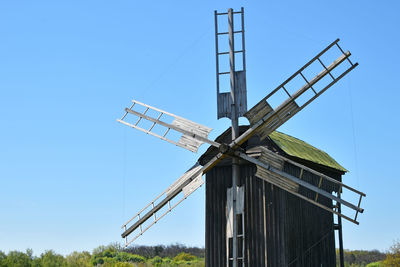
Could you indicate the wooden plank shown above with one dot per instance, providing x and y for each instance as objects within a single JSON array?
[
  {"x": 241, "y": 92},
  {"x": 273, "y": 178},
  {"x": 315, "y": 172},
  {"x": 170, "y": 114},
  {"x": 183, "y": 180},
  {"x": 207, "y": 216},
  {"x": 193, "y": 185},
  {"x": 257, "y": 112},
  {"x": 192, "y": 133},
  {"x": 264, "y": 213}
]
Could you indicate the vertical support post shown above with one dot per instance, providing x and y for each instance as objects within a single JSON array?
[
  {"x": 340, "y": 234},
  {"x": 235, "y": 134},
  {"x": 243, "y": 44},
  {"x": 232, "y": 105},
  {"x": 216, "y": 49}
]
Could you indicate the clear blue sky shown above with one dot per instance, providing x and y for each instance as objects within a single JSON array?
[{"x": 71, "y": 175}]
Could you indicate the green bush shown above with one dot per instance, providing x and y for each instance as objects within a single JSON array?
[
  {"x": 167, "y": 260},
  {"x": 127, "y": 257},
  {"x": 393, "y": 255},
  {"x": 124, "y": 264},
  {"x": 103, "y": 255},
  {"x": 156, "y": 261},
  {"x": 78, "y": 259},
  {"x": 184, "y": 257},
  {"x": 375, "y": 264}
]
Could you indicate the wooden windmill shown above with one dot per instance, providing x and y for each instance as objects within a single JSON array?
[{"x": 243, "y": 149}]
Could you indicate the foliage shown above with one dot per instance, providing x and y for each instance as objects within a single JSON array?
[
  {"x": 3, "y": 256},
  {"x": 111, "y": 247},
  {"x": 168, "y": 256},
  {"x": 356, "y": 258},
  {"x": 50, "y": 259},
  {"x": 184, "y": 257},
  {"x": 29, "y": 253},
  {"x": 17, "y": 259},
  {"x": 127, "y": 257},
  {"x": 78, "y": 259},
  {"x": 393, "y": 255},
  {"x": 102, "y": 256},
  {"x": 375, "y": 264},
  {"x": 124, "y": 264},
  {"x": 112, "y": 256},
  {"x": 165, "y": 251},
  {"x": 156, "y": 261}
]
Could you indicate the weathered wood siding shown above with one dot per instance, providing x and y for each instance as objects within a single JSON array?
[{"x": 280, "y": 229}]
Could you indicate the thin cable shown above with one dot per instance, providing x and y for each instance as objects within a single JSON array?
[
  {"x": 124, "y": 149},
  {"x": 312, "y": 246},
  {"x": 171, "y": 66},
  {"x": 292, "y": 33},
  {"x": 354, "y": 132}
]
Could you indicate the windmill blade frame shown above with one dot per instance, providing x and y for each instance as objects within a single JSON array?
[
  {"x": 187, "y": 184},
  {"x": 275, "y": 175},
  {"x": 193, "y": 134},
  {"x": 264, "y": 119}
]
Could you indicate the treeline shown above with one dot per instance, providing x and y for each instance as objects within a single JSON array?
[
  {"x": 361, "y": 258},
  {"x": 373, "y": 258},
  {"x": 164, "y": 256},
  {"x": 165, "y": 251},
  {"x": 109, "y": 256}
]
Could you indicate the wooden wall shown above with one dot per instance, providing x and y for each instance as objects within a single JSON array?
[{"x": 281, "y": 229}]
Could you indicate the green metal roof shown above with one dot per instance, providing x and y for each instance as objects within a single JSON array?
[{"x": 300, "y": 149}]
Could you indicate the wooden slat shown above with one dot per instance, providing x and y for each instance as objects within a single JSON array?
[
  {"x": 302, "y": 183},
  {"x": 258, "y": 111},
  {"x": 193, "y": 134},
  {"x": 275, "y": 179}
]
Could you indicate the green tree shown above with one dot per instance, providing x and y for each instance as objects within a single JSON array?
[
  {"x": 3, "y": 257},
  {"x": 114, "y": 247},
  {"x": 393, "y": 255},
  {"x": 17, "y": 259},
  {"x": 29, "y": 253},
  {"x": 158, "y": 250},
  {"x": 78, "y": 259},
  {"x": 50, "y": 259},
  {"x": 37, "y": 262},
  {"x": 156, "y": 261},
  {"x": 103, "y": 254}
]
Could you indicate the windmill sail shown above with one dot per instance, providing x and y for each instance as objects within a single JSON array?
[
  {"x": 264, "y": 119},
  {"x": 192, "y": 134},
  {"x": 186, "y": 184},
  {"x": 270, "y": 169}
]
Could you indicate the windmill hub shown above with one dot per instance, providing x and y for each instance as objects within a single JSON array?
[{"x": 228, "y": 150}]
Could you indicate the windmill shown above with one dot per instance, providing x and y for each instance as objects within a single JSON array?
[{"x": 325, "y": 192}]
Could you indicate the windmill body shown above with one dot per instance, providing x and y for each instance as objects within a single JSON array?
[
  {"x": 279, "y": 229},
  {"x": 267, "y": 208}
]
